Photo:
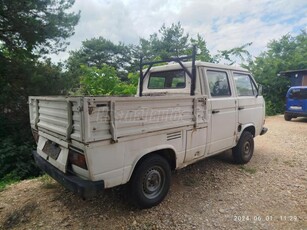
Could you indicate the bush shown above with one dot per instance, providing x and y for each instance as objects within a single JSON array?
[{"x": 16, "y": 162}]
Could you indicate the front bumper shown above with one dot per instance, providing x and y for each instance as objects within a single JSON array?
[
  {"x": 83, "y": 188},
  {"x": 263, "y": 131}
]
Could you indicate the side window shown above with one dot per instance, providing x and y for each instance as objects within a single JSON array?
[
  {"x": 244, "y": 85},
  {"x": 218, "y": 83}
]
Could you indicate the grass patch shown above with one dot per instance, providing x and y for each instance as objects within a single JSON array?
[
  {"x": 190, "y": 181},
  {"x": 289, "y": 163},
  {"x": 47, "y": 181},
  {"x": 7, "y": 180},
  {"x": 249, "y": 170}
]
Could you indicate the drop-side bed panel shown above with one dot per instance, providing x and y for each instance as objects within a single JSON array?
[{"x": 91, "y": 119}]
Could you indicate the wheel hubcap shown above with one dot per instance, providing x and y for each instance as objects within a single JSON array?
[
  {"x": 153, "y": 182},
  {"x": 247, "y": 148}
]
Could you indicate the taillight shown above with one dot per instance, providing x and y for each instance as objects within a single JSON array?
[{"x": 77, "y": 159}]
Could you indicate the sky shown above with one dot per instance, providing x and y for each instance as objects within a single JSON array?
[{"x": 223, "y": 23}]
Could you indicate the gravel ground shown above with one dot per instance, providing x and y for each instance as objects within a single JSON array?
[{"x": 267, "y": 193}]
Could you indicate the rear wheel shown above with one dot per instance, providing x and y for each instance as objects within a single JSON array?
[
  {"x": 244, "y": 150},
  {"x": 287, "y": 117},
  {"x": 150, "y": 181}
]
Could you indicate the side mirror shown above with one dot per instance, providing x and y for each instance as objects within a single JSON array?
[{"x": 259, "y": 90}]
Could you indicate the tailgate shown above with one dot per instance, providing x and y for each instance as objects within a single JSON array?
[
  {"x": 296, "y": 105},
  {"x": 57, "y": 116}
]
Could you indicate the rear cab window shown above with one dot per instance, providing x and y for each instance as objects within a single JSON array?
[{"x": 173, "y": 79}]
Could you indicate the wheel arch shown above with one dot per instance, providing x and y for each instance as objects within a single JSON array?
[
  {"x": 167, "y": 152},
  {"x": 249, "y": 128}
]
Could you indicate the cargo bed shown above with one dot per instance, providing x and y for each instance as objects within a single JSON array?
[{"x": 91, "y": 119}]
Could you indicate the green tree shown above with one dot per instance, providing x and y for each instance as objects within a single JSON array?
[
  {"x": 287, "y": 53},
  {"x": 97, "y": 52},
  {"x": 28, "y": 30},
  {"x": 103, "y": 81},
  {"x": 233, "y": 54},
  {"x": 167, "y": 42},
  {"x": 42, "y": 25},
  {"x": 203, "y": 53},
  {"x": 27, "y": 77},
  {"x": 173, "y": 41}
]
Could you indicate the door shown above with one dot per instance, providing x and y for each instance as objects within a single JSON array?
[
  {"x": 250, "y": 105},
  {"x": 222, "y": 110}
]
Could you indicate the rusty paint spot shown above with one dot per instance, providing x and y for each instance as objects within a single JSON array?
[{"x": 90, "y": 110}]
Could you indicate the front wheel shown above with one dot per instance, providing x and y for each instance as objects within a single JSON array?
[
  {"x": 150, "y": 181},
  {"x": 244, "y": 149}
]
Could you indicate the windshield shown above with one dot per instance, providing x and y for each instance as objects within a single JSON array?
[
  {"x": 298, "y": 94},
  {"x": 173, "y": 79}
]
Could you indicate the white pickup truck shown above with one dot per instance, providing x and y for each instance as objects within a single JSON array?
[{"x": 184, "y": 112}]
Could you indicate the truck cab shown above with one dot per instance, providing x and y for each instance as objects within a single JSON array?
[{"x": 233, "y": 99}]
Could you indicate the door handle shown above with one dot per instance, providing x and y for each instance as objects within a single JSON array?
[
  {"x": 215, "y": 111},
  {"x": 240, "y": 107}
]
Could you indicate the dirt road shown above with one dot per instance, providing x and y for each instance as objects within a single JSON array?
[{"x": 270, "y": 192}]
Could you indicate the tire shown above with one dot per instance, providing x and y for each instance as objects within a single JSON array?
[
  {"x": 150, "y": 181},
  {"x": 244, "y": 149},
  {"x": 287, "y": 117}
]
